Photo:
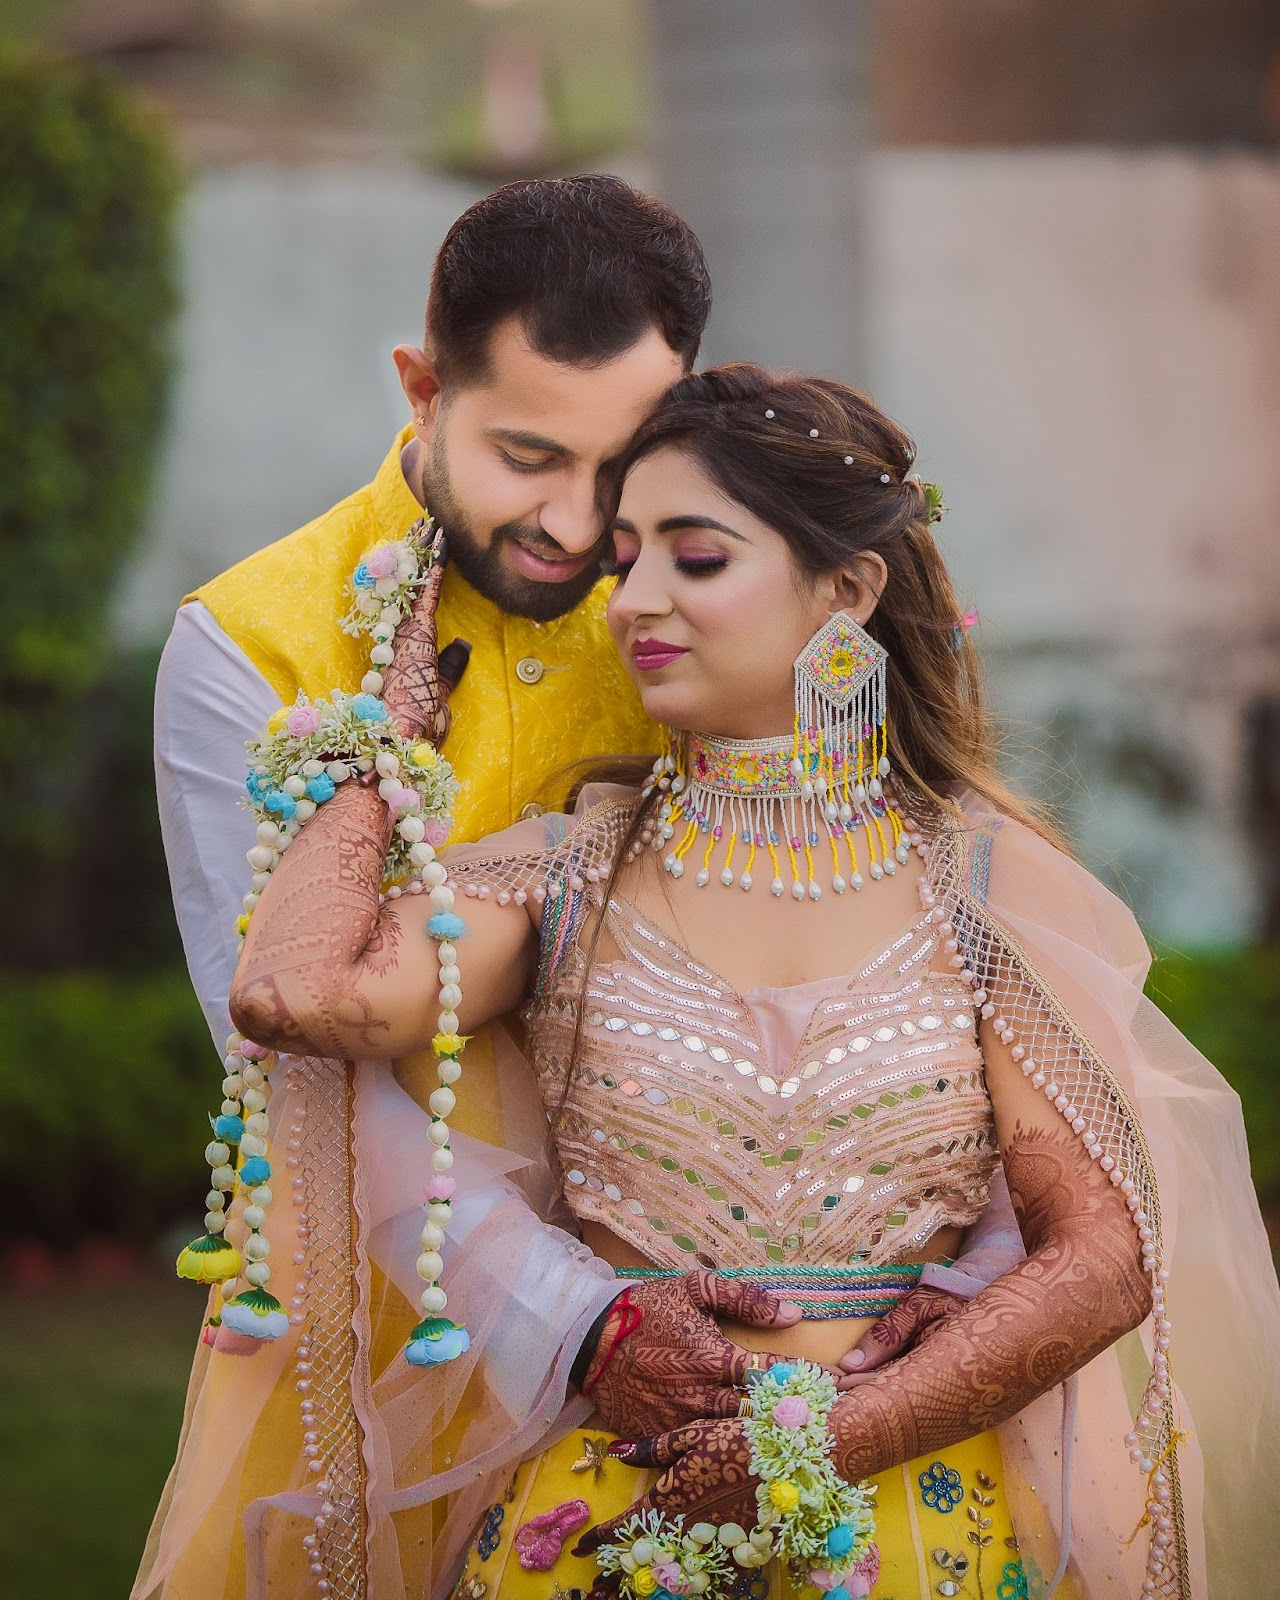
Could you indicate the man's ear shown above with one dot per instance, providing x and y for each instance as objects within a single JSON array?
[
  {"x": 856, "y": 588},
  {"x": 421, "y": 385}
]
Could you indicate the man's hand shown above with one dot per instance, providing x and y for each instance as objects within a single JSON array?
[
  {"x": 708, "y": 1479},
  {"x": 417, "y": 684},
  {"x": 904, "y": 1327},
  {"x": 677, "y": 1366}
]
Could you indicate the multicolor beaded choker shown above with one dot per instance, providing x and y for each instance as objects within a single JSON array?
[{"x": 792, "y": 798}]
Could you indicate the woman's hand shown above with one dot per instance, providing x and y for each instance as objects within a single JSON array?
[
  {"x": 707, "y": 1478},
  {"x": 414, "y": 689}
]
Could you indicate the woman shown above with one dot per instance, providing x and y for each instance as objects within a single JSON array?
[{"x": 851, "y": 976}]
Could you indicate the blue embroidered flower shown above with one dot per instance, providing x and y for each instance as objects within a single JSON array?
[
  {"x": 362, "y": 577},
  {"x": 1013, "y": 1582},
  {"x": 490, "y": 1532},
  {"x": 369, "y": 708},
  {"x": 321, "y": 788},
  {"x": 940, "y": 1487}
]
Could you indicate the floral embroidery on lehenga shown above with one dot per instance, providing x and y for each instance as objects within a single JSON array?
[
  {"x": 490, "y": 1535},
  {"x": 940, "y": 1487}
]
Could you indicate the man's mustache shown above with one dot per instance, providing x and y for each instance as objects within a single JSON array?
[{"x": 540, "y": 543}]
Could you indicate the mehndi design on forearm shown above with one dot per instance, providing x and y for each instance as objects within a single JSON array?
[
  {"x": 302, "y": 957},
  {"x": 1080, "y": 1289}
]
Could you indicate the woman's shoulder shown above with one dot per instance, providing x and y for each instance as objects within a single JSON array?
[
  {"x": 584, "y": 840},
  {"x": 1038, "y": 889}
]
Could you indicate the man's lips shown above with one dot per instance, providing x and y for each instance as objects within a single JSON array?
[
  {"x": 546, "y": 569},
  {"x": 650, "y": 654}
]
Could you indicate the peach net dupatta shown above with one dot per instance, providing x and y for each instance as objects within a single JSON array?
[{"x": 1065, "y": 961}]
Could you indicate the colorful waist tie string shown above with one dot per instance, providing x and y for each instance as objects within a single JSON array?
[{"x": 822, "y": 1293}]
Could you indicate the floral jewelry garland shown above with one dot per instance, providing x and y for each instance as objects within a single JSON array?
[
  {"x": 306, "y": 751},
  {"x": 808, "y": 1516}
]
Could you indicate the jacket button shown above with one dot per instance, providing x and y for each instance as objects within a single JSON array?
[
  {"x": 529, "y": 669},
  {"x": 533, "y": 809}
]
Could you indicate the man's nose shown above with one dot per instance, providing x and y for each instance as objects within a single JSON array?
[{"x": 572, "y": 518}]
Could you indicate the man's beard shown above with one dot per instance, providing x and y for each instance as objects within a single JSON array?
[{"x": 479, "y": 564}]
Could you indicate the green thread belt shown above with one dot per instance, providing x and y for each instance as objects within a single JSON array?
[{"x": 822, "y": 1293}]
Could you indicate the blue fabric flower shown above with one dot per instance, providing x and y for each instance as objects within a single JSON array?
[
  {"x": 780, "y": 1371},
  {"x": 258, "y": 786},
  {"x": 940, "y": 1487},
  {"x": 369, "y": 708},
  {"x": 256, "y": 1170},
  {"x": 321, "y": 788},
  {"x": 362, "y": 577},
  {"x": 435, "y": 1352},
  {"x": 446, "y": 925},
  {"x": 838, "y": 1593},
  {"x": 281, "y": 804},
  {"x": 839, "y": 1540},
  {"x": 1013, "y": 1582},
  {"x": 229, "y": 1128}
]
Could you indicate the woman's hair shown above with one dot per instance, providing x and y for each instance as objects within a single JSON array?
[{"x": 825, "y": 468}]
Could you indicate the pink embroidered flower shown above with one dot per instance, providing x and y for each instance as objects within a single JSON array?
[
  {"x": 792, "y": 1411},
  {"x": 538, "y": 1542},
  {"x": 381, "y": 561},
  {"x": 302, "y": 721},
  {"x": 436, "y": 833}
]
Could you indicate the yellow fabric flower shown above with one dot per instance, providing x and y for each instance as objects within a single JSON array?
[
  {"x": 209, "y": 1260},
  {"x": 448, "y": 1044},
  {"x": 643, "y": 1580},
  {"x": 423, "y": 755},
  {"x": 783, "y": 1495},
  {"x": 242, "y": 924},
  {"x": 277, "y": 720}
]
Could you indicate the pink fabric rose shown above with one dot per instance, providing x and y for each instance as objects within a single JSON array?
[
  {"x": 302, "y": 721},
  {"x": 820, "y": 1578},
  {"x": 441, "y": 1187},
  {"x": 253, "y": 1052},
  {"x": 792, "y": 1411},
  {"x": 863, "y": 1578},
  {"x": 401, "y": 799},
  {"x": 436, "y": 833},
  {"x": 671, "y": 1576},
  {"x": 381, "y": 561}
]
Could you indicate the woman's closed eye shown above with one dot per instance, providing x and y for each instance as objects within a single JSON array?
[{"x": 690, "y": 566}]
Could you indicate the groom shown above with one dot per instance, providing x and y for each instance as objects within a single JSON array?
[{"x": 559, "y": 311}]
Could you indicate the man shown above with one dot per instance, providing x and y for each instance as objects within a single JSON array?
[{"x": 559, "y": 311}]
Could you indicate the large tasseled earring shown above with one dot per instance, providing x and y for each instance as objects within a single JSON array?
[{"x": 841, "y": 751}]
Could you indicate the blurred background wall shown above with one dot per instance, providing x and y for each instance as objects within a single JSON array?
[{"x": 1045, "y": 236}]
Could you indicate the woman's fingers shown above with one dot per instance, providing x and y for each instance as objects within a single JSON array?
[
  {"x": 661, "y": 1449},
  {"x": 900, "y": 1328},
  {"x": 743, "y": 1302}
]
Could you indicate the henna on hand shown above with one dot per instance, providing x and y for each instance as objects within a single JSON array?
[
  {"x": 677, "y": 1366},
  {"x": 708, "y": 1479},
  {"x": 904, "y": 1326},
  {"x": 1081, "y": 1288},
  {"x": 412, "y": 688}
]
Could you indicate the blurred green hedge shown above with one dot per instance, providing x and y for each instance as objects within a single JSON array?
[
  {"x": 88, "y": 191},
  {"x": 106, "y": 1081}
]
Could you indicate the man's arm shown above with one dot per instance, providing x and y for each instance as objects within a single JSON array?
[{"x": 210, "y": 698}]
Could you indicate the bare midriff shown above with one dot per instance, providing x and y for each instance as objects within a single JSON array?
[{"x": 824, "y": 1342}]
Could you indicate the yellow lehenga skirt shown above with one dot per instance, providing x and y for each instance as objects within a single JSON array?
[{"x": 943, "y": 1528}]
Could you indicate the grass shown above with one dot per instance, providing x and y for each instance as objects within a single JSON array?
[{"x": 92, "y": 1381}]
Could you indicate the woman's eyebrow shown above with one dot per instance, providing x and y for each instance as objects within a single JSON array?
[{"x": 675, "y": 524}]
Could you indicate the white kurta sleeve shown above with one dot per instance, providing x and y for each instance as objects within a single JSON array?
[{"x": 210, "y": 699}]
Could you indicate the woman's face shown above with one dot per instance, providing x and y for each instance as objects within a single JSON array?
[{"x": 710, "y": 609}]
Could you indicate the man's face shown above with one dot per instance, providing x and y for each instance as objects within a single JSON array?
[{"x": 513, "y": 464}]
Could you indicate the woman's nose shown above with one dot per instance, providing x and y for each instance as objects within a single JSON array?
[{"x": 641, "y": 593}]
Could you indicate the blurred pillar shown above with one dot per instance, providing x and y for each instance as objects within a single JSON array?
[{"x": 759, "y": 131}]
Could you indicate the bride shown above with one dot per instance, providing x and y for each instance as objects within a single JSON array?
[{"x": 789, "y": 1005}]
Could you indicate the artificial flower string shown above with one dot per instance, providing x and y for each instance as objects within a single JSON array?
[{"x": 296, "y": 765}]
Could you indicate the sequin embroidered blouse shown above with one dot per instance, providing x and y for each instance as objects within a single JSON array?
[{"x": 843, "y": 1120}]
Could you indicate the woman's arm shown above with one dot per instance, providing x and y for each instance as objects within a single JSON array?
[
  {"x": 1081, "y": 1288},
  {"x": 325, "y": 970}
]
